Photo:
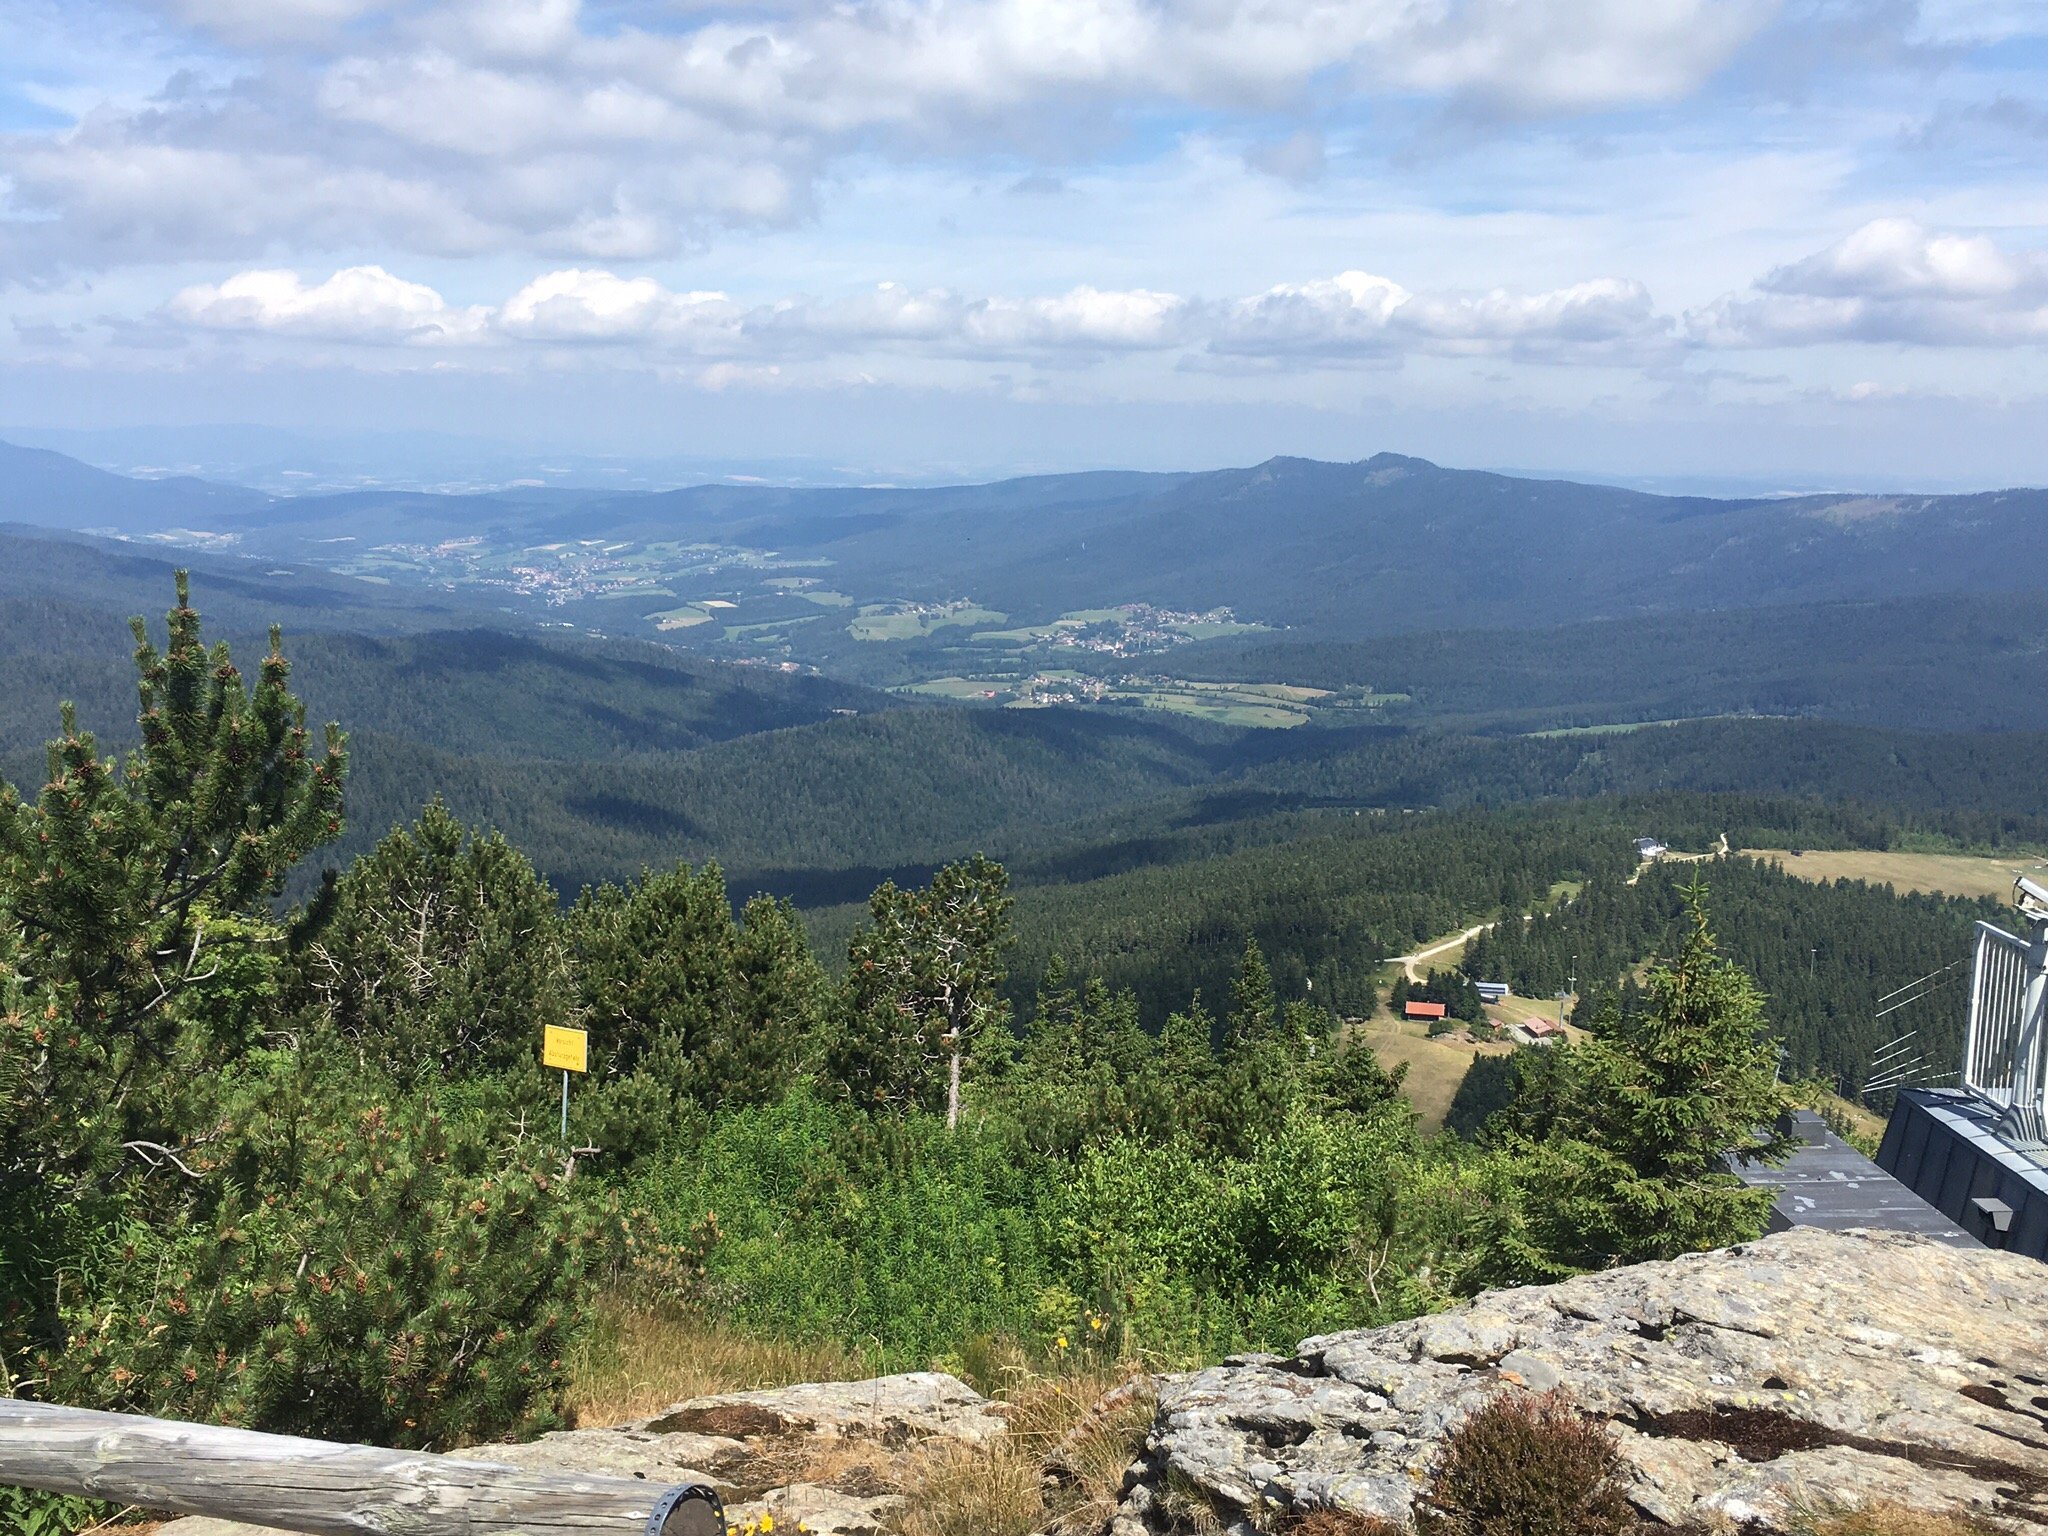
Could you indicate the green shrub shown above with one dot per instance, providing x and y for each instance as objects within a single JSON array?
[
  {"x": 892, "y": 1233},
  {"x": 352, "y": 1268},
  {"x": 1193, "y": 1255},
  {"x": 1527, "y": 1465},
  {"x": 25, "y": 1512}
]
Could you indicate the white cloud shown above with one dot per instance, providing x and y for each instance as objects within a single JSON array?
[
  {"x": 1354, "y": 314},
  {"x": 1085, "y": 317},
  {"x": 363, "y": 304},
  {"x": 578, "y": 305},
  {"x": 1890, "y": 281},
  {"x": 525, "y": 125},
  {"x": 1360, "y": 314},
  {"x": 262, "y": 23}
]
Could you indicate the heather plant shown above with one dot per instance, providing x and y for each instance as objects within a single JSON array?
[{"x": 1527, "y": 1464}]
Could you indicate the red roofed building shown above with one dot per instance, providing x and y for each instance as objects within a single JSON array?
[{"x": 1422, "y": 1010}]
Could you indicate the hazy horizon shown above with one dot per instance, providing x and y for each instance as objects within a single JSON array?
[{"x": 288, "y": 463}]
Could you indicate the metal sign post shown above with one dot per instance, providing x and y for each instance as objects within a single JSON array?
[{"x": 568, "y": 1049}]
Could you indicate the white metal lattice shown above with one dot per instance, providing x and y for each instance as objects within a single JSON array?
[
  {"x": 2003, "y": 1057},
  {"x": 1998, "y": 987}
]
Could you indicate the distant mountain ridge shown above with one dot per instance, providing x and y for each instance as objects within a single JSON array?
[
  {"x": 48, "y": 490},
  {"x": 1386, "y": 545}
]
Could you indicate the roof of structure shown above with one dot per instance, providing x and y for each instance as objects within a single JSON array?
[{"x": 1828, "y": 1183}]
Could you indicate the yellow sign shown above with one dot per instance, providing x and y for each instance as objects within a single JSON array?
[{"x": 567, "y": 1050}]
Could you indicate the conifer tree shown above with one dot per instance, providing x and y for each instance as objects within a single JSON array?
[
  {"x": 118, "y": 885},
  {"x": 438, "y": 951},
  {"x": 1254, "y": 1019},
  {"x": 1621, "y": 1143},
  {"x": 663, "y": 969},
  {"x": 924, "y": 983}
]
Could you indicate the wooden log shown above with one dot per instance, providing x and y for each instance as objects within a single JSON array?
[{"x": 324, "y": 1489}]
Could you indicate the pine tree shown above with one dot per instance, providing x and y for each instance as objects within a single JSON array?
[
  {"x": 924, "y": 983},
  {"x": 1254, "y": 1019},
  {"x": 118, "y": 886},
  {"x": 440, "y": 951},
  {"x": 662, "y": 969}
]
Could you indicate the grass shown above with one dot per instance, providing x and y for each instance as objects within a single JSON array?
[
  {"x": 1952, "y": 874},
  {"x": 890, "y": 621},
  {"x": 678, "y": 618},
  {"x": 1016, "y": 636},
  {"x": 638, "y": 1360},
  {"x": 1620, "y": 728},
  {"x": 1058, "y": 1471},
  {"x": 1435, "y": 1067},
  {"x": 961, "y": 687},
  {"x": 1260, "y": 716},
  {"x": 1896, "y": 1520}
]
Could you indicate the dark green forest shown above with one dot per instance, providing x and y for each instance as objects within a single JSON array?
[
  {"x": 1946, "y": 662},
  {"x": 1823, "y": 952}
]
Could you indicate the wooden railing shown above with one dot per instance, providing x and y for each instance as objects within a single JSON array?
[{"x": 324, "y": 1489}]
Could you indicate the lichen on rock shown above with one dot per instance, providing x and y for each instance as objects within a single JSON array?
[{"x": 1747, "y": 1386}]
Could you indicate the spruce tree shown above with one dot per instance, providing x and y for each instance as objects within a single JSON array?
[
  {"x": 1254, "y": 1019},
  {"x": 1621, "y": 1146}
]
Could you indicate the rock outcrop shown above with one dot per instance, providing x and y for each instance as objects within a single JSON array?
[
  {"x": 1808, "y": 1370},
  {"x": 806, "y": 1455}
]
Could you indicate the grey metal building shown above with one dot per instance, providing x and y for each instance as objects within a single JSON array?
[{"x": 1828, "y": 1183}]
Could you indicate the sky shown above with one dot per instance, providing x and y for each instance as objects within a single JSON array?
[{"x": 1797, "y": 241}]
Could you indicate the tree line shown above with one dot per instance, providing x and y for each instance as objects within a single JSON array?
[{"x": 1825, "y": 953}]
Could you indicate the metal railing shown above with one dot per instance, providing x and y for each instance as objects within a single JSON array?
[{"x": 2004, "y": 1060}]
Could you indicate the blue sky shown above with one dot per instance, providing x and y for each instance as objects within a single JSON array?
[{"x": 1748, "y": 238}]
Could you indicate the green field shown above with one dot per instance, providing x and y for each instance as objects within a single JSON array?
[
  {"x": 1624, "y": 727},
  {"x": 1952, "y": 874},
  {"x": 960, "y": 687},
  {"x": 1251, "y": 716},
  {"x": 773, "y": 629},
  {"x": 636, "y": 593},
  {"x": 1270, "y": 706},
  {"x": 902, "y": 621},
  {"x": 1027, "y": 636},
  {"x": 686, "y": 617}
]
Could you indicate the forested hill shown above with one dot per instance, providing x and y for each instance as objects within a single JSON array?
[
  {"x": 480, "y": 693},
  {"x": 1332, "y": 551},
  {"x": 1825, "y": 953},
  {"x": 49, "y": 490},
  {"x": 1951, "y": 662},
  {"x": 68, "y": 594}
]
